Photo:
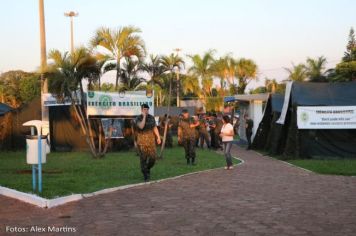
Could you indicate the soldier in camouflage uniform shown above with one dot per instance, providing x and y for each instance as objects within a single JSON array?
[
  {"x": 186, "y": 132},
  {"x": 203, "y": 132},
  {"x": 146, "y": 135}
]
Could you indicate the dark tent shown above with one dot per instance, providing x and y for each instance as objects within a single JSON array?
[
  {"x": 290, "y": 142},
  {"x": 265, "y": 137},
  {"x": 4, "y": 109}
]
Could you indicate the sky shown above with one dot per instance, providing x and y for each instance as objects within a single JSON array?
[{"x": 273, "y": 33}]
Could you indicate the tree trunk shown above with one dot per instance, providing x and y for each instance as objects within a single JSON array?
[
  {"x": 117, "y": 75},
  {"x": 167, "y": 120}
]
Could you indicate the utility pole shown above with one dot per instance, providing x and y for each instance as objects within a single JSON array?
[
  {"x": 177, "y": 73},
  {"x": 44, "y": 85},
  {"x": 71, "y": 14}
]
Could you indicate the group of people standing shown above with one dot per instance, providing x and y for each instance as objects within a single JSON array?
[{"x": 215, "y": 131}]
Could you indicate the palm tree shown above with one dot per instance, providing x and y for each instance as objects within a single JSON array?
[
  {"x": 66, "y": 73},
  {"x": 315, "y": 69},
  {"x": 271, "y": 85},
  {"x": 155, "y": 69},
  {"x": 130, "y": 78},
  {"x": 202, "y": 69},
  {"x": 220, "y": 70},
  {"x": 170, "y": 64},
  {"x": 297, "y": 72},
  {"x": 190, "y": 84},
  {"x": 246, "y": 71},
  {"x": 118, "y": 44}
]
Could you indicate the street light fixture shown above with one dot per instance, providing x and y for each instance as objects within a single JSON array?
[{"x": 71, "y": 14}]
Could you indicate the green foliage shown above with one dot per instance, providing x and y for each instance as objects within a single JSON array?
[
  {"x": 315, "y": 69},
  {"x": 106, "y": 87},
  {"x": 297, "y": 72},
  {"x": 116, "y": 44},
  {"x": 246, "y": 70},
  {"x": 328, "y": 167},
  {"x": 257, "y": 90},
  {"x": 30, "y": 88},
  {"x": 67, "y": 71},
  {"x": 17, "y": 87},
  {"x": 346, "y": 69}
]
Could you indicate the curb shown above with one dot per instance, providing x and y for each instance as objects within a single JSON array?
[{"x": 50, "y": 203}]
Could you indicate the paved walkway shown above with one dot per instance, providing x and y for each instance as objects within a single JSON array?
[{"x": 261, "y": 197}]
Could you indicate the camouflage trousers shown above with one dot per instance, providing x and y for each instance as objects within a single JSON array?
[
  {"x": 189, "y": 148},
  {"x": 146, "y": 146}
]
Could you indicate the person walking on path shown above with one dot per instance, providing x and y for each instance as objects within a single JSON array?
[
  {"x": 147, "y": 134},
  {"x": 186, "y": 132},
  {"x": 227, "y": 136},
  {"x": 249, "y": 126}
]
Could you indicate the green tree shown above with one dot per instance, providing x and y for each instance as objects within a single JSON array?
[
  {"x": 65, "y": 74},
  {"x": 297, "y": 72},
  {"x": 346, "y": 69},
  {"x": 315, "y": 69},
  {"x": 202, "y": 69},
  {"x": 170, "y": 63},
  {"x": 350, "y": 54},
  {"x": 246, "y": 71},
  {"x": 10, "y": 86},
  {"x": 30, "y": 88},
  {"x": 130, "y": 78},
  {"x": 115, "y": 44}
]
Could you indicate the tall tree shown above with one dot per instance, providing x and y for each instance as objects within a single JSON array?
[
  {"x": 131, "y": 78},
  {"x": 11, "y": 85},
  {"x": 350, "y": 54},
  {"x": 246, "y": 71},
  {"x": 117, "y": 44},
  {"x": 170, "y": 63},
  {"x": 297, "y": 72},
  {"x": 346, "y": 69},
  {"x": 202, "y": 69},
  {"x": 315, "y": 69},
  {"x": 66, "y": 73},
  {"x": 155, "y": 69}
]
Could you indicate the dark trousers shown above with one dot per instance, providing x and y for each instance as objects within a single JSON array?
[
  {"x": 189, "y": 148},
  {"x": 227, "y": 154},
  {"x": 204, "y": 137},
  {"x": 248, "y": 136},
  {"x": 169, "y": 139},
  {"x": 217, "y": 140},
  {"x": 212, "y": 139},
  {"x": 147, "y": 163}
]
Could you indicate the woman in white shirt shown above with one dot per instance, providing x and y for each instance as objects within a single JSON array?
[{"x": 227, "y": 136}]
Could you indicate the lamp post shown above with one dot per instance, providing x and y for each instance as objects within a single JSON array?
[
  {"x": 71, "y": 14},
  {"x": 177, "y": 73}
]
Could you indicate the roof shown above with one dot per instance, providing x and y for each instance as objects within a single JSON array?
[
  {"x": 324, "y": 94},
  {"x": 247, "y": 97},
  {"x": 4, "y": 108}
]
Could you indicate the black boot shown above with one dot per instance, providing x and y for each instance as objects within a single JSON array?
[
  {"x": 188, "y": 161},
  {"x": 193, "y": 161}
]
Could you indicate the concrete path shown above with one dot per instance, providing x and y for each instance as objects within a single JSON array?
[{"x": 261, "y": 197}]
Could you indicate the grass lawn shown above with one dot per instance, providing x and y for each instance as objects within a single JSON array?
[
  {"x": 328, "y": 167},
  {"x": 78, "y": 172},
  {"x": 345, "y": 167}
]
